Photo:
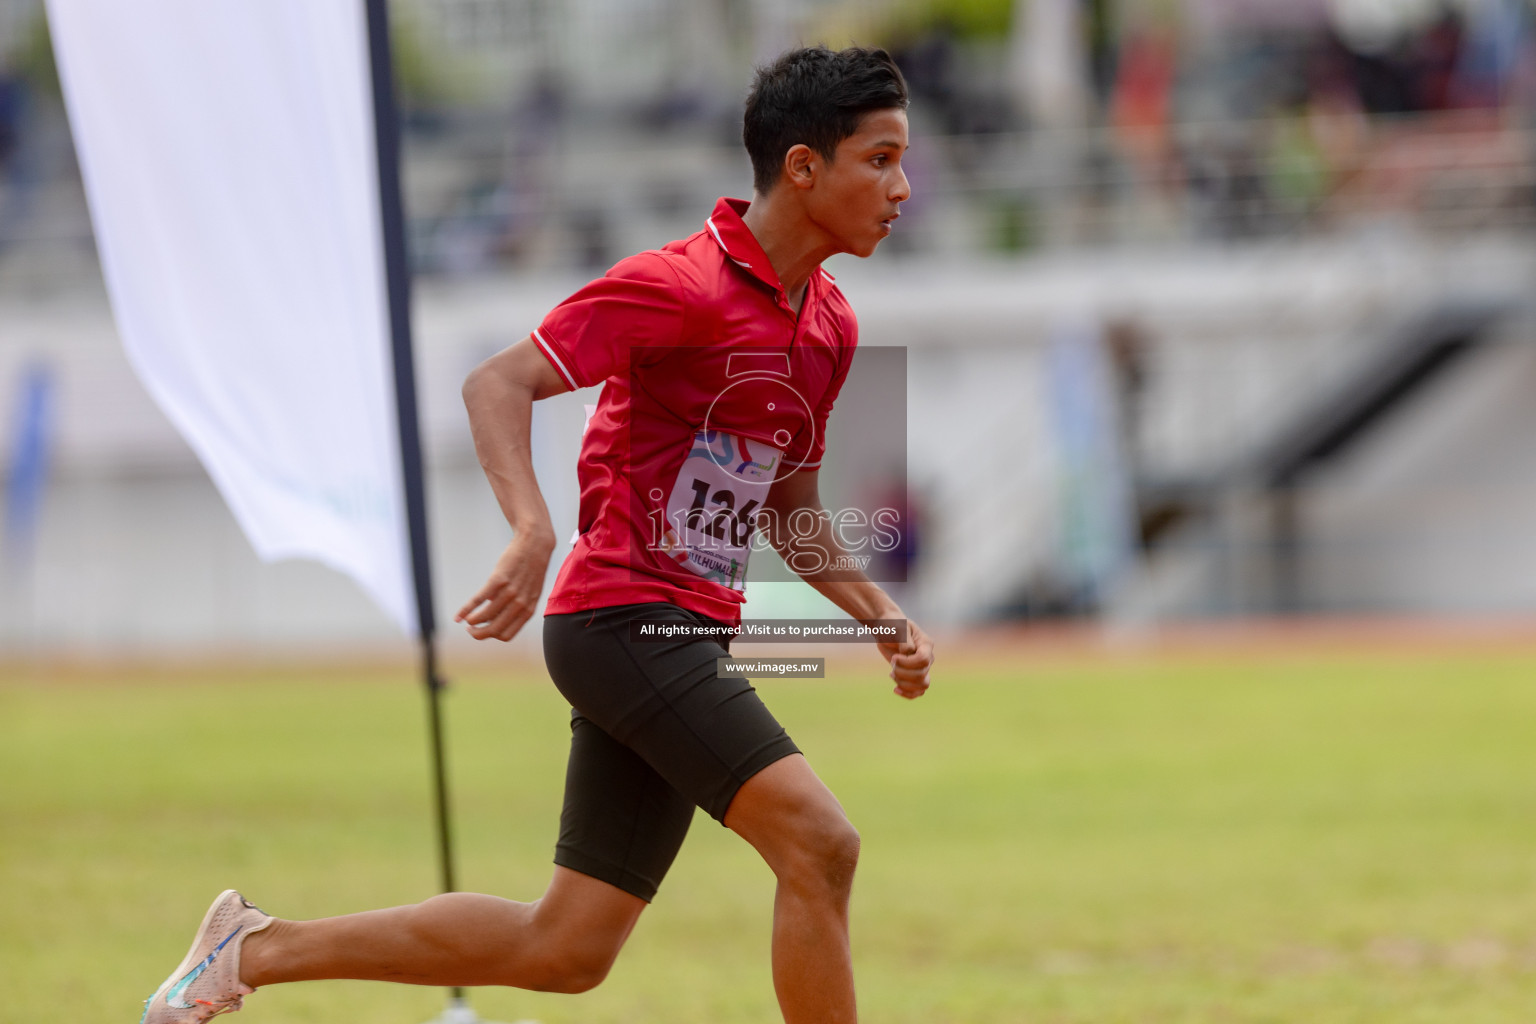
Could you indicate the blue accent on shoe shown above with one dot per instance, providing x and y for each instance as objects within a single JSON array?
[{"x": 173, "y": 997}]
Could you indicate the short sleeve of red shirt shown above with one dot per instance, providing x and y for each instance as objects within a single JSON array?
[{"x": 588, "y": 337}]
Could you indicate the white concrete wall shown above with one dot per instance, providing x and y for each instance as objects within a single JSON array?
[
  {"x": 136, "y": 553},
  {"x": 1437, "y": 511}
]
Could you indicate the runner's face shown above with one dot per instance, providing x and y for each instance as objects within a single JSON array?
[{"x": 857, "y": 194}]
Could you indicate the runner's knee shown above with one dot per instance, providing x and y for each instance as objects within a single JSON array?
[
  {"x": 823, "y": 856},
  {"x": 798, "y": 827},
  {"x": 568, "y": 967},
  {"x": 571, "y": 976}
]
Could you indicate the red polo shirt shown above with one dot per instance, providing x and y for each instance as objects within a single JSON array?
[{"x": 712, "y": 386}]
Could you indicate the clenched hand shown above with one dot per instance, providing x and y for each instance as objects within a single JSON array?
[
  {"x": 910, "y": 662},
  {"x": 511, "y": 595}
]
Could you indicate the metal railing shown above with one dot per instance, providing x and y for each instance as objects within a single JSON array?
[{"x": 585, "y": 195}]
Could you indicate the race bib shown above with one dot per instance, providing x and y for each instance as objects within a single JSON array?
[{"x": 713, "y": 507}]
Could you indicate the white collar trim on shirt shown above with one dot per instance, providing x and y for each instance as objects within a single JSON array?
[{"x": 709, "y": 222}]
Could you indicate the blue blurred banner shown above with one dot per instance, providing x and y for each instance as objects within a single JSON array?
[
  {"x": 1096, "y": 538},
  {"x": 28, "y": 462}
]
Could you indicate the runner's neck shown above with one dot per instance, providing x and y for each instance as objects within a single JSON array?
[{"x": 794, "y": 245}]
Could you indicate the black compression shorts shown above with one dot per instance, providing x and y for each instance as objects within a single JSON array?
[{"x": 655, "y": 731}]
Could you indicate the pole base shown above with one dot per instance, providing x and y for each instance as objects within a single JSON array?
[{"x": 459, "y": 1011}]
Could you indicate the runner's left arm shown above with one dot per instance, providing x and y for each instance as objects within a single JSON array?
[{"x": 800, "y": 529}]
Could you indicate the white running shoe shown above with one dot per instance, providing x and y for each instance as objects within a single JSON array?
[{"x": 207, "y": 983}]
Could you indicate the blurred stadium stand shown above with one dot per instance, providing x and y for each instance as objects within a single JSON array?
[{"x": 1288, "y": 249}]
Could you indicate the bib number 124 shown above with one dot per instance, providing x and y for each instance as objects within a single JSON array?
[{"x": 713, "y": 506}]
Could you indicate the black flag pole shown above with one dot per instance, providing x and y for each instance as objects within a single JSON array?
[{"x": 386, "y": 119}]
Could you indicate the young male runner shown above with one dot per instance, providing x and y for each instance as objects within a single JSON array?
[{"x": 720, "y": 357}]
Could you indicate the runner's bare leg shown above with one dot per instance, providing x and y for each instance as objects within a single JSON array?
[
  {"x": 798, "y": 826},
  {"x": 563, "y": 942},
  {"x": 567, "y": 940}
]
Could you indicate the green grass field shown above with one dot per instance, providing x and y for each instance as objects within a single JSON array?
[{"x": 1202, "y": 839}]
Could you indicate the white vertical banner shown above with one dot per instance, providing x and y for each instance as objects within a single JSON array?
[{"x": 229, "y": 160}]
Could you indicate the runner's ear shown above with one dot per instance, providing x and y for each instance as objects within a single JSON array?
[{"x": 800, "y": 164}]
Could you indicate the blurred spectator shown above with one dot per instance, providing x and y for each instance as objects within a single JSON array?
[
  {"x": 534, "y": 132},
  {"x": 12, "y": 103},
  {"x": 1127, "y": 343},
  {"x": 17, "y": 182},
  {"x": 1298, "y": 172},
  {"x": 1099, "y": 31},
  {"x": 944, "y": 83},
  {"x": 1432, "y": 62},
  {"x": 1496, "y": 43},
  {"x": 928, "y": 63},
  {"x": 1141, "y": 103},
  {"x": 901, "y": 511}
]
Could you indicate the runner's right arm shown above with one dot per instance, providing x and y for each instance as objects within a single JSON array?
[{"x": 499, "y": 396}]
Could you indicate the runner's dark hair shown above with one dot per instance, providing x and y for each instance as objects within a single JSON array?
[{"x": 817, "y": 97}]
